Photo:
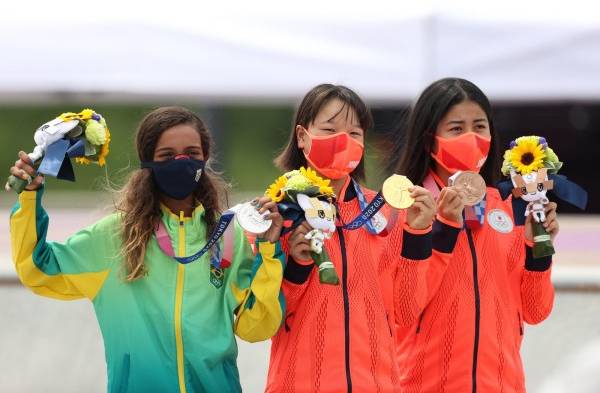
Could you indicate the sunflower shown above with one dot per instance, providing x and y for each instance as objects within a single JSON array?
[
  {"x": 275, "y": 190},
  {"x": 527, "y": 155},
  {"x": 311, "y": 175}
]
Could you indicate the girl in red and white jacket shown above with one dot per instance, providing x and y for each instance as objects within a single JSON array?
[
  {"x": 468, "y": 335},
  {"x": 339, "y": 338}
]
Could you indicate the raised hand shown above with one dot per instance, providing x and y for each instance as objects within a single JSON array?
[
  {"x": 421, "y": 214},
  {"x": 298, "y": 244},
  {"x": 450, "y": 204},
  {"x": 266, "y": 204},
  {"x": 550, "y": 224},
  {"x": 23, "y": 169}
]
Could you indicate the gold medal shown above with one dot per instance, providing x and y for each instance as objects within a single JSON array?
[
  {"x": 395, "y": 191},
  {"x": 471, "y": 185}
]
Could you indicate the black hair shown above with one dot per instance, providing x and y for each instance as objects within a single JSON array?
[
  {"x": 292, "y": 156},
  {"x": 413, "y": 141}
]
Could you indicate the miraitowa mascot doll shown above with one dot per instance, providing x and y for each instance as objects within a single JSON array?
[
  {"x": 532, "y": 166},
  {"x": 321, "y": 217},
  {"x": 83, "y": 136},
  {"x": 302, "y": 194}
]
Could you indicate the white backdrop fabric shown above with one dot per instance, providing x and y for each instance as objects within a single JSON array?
[{"x": 230, "y": 53}]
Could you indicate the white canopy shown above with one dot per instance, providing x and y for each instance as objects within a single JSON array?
[{"x": 121, "y": 50}]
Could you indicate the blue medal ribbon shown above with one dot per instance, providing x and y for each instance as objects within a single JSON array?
[
  {"x": 368, "y": 210},
  {"x": 294, "y": 213},
  {"x": 222, "y": 225}
]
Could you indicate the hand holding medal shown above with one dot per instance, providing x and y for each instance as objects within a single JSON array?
[
  {"x": 450, "y": 205},
  {"x": 251, "y": 219},
  {"x": 263, "y": 218},
  {"x": 400, "y": 193}
]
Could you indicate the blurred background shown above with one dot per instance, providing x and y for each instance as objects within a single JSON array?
[{"x": 244, "y": 66}]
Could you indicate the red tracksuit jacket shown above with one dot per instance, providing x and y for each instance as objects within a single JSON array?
[
  {"x": 340, "y": 338},
  {"x": 468, "y": 336}
]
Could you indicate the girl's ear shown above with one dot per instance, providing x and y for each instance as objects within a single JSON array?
[
  {"x": 301, "y": 137},
  {"x": 432, "y": 146}
]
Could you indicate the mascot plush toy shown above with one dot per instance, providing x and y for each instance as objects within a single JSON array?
[{"x": 321, "y": 217}]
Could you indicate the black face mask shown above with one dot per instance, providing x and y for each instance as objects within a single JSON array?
[{"x": 176, "y": 178}]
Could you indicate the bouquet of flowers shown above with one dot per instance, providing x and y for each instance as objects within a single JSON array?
[
  {"x": 83, "y": 136},
  {"x": 302, "y": 194}
]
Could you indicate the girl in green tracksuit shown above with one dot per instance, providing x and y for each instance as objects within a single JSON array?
[{"x": 167, "y": 326}]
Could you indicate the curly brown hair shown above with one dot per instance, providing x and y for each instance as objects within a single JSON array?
[{"x": 139, "y": 199}]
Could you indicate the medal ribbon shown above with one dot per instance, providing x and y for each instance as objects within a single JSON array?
[
  {"x": 474, "y": 215},
  {"x": 368, "y": 212},
  {"x": 222, "y": 228}
]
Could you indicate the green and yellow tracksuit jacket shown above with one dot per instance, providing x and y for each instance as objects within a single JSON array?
[{"x": 172, "y": 330}]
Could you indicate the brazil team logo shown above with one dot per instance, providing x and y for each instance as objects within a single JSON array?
[{"x": 216, "y": 276}]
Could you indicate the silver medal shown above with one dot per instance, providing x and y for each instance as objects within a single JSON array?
[{"x": 251, "y": 220}]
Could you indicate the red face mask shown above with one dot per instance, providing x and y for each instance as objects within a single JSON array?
[
  {"x": 334, "y": 156},
  {"x": 466, "y": 152}
]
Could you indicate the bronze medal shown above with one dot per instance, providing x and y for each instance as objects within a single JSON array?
[{"x": 471, "y": 185}]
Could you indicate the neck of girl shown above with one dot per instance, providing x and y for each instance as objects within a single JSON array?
[
  {"x": 337, "y": 185},
  {"x": 186, "y": 205},
  {"x": 442, "y": 173}
]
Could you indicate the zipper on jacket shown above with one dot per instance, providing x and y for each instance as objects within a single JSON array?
[
  {"x": 520, "y": 324},
  {"x": 178, "y": 305},
  {"x": 420, "y": 321},
  {"x": 286, "y": 325},
  {"x": 477, "y": 310},
  {"x": 346, "y": 307}
]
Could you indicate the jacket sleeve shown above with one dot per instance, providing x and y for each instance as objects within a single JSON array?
[
  {"x": 444, "y": 237},
  {"x": 72, "y": 270},
  {"x": 537, "y": 291},
  {"x": 257, "y": 288},
  {"x": 422, "y": 257},
  {"x": 296, "y": 278}
]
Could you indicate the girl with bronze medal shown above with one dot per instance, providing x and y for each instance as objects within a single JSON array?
[{"x": 469, "y": 332}]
